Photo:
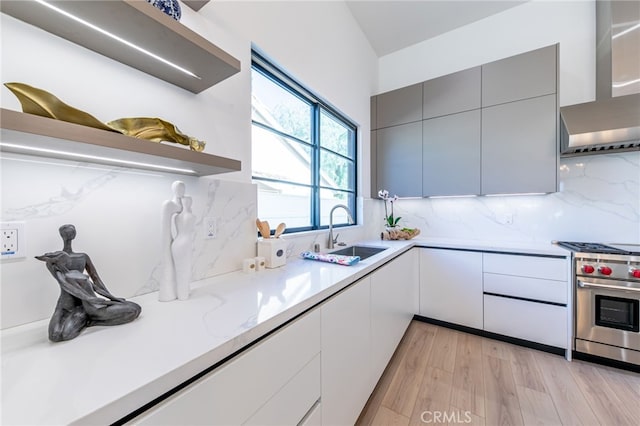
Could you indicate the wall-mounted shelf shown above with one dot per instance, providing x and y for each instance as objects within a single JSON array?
[
  {"x": 195, "y": 4},
  {"x": 34, "y": 135},
  {"x": 139, "y": 23}
]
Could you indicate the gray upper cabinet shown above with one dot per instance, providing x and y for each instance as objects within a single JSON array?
[
  {"x": 374, "y": 164},
  {"x": 519, "y": 77},
  {"x": 399, "y": 159},
  {"x": 451, "y": 154},
  {"x": 451, "y": 93},
  {"x": 491, "y": 129},
  {"x": 399, "y": 106},
  {"x": 373, "y": 112},
  {"x": 519, "y": 147}
]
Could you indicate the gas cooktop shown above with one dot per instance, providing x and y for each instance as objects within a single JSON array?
[{"x": 628, "y": 249}]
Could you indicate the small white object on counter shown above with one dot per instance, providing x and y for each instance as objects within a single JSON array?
[
  {"x": 274, "y": 251},
  {"x": 260, "y": 263},
  {"x": 249, "y": 265}
]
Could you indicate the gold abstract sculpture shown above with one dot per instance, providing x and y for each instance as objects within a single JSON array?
[
  {"x": 39, "y": 102},
  {"x": 156, "y": 130}
]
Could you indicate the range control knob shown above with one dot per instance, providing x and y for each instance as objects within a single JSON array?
[
  {"x": 588, "y": 269},
  {"x": 634, "y": 272},
  {"x": 605, "y": 270}
]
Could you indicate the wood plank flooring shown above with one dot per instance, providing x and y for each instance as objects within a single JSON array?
[{"x": 443, "y": 376}]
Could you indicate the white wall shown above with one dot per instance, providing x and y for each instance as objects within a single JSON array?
[
  {"x": 599, "y": 198},
  {"x": 117, "y": 211},
  {"x": 532, "y": 25}
]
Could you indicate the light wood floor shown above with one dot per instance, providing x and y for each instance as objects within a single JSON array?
[{"x": 443, "y": 376}]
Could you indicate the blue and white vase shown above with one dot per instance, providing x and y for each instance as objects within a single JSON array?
[{"x": 170, "y": 7}]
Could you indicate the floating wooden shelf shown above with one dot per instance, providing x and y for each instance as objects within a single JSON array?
[
  {"x": 137, "y": 22},
  {"x": 195, "y": 4},
  {"x": 34, "y": 135}
]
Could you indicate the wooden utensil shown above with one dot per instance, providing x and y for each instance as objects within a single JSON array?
[
  {"x": 279, "y": 230},
  {"x": 264, "y": 229}
]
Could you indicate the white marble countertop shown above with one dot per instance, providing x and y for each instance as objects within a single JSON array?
[
  {"x": 540, "y": 248},
  {"x": 108, "y": 372}
]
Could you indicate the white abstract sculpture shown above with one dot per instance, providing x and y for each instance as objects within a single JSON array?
[
  {"x": 177, "y": 229},
  {"x": 181, "y": 248}
]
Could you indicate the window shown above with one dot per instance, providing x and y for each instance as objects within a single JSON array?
[{"x": 303, "y": 153}]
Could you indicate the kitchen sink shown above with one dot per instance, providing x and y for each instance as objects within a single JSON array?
[{"x": 362, "y": 251}]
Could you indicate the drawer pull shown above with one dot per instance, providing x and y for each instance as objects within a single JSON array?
[{"x": 583, "y": 284}]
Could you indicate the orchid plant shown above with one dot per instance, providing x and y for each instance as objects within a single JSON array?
[{"x": 389, "y": 218}]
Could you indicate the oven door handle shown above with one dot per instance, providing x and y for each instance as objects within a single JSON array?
[{"x": 583, "y": 284}]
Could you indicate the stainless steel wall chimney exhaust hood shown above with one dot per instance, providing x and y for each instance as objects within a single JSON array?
[{"x": 612, "y": 121}]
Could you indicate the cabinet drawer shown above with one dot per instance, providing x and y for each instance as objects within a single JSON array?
[
  {"x": 536, "y": 322},
  {"x": 297, "y": 398},
  {"x": 232, "y": 393},
  {"x": 526, "y": 266},
  {"x": 528, "y": 288},
  {"x": 314, "y": 418}
]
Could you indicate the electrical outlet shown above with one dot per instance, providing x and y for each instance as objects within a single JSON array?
[
  {"x": 9, "y": 241},
  {"x": 12, "y": 240},
  {"x": 210, "y": 227}
]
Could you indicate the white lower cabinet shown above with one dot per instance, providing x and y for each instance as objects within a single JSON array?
[
  {"x": 320, "y": 369},
  {"x": 255, "y": 386},
  {"x": 346, "y": 346},
  {"x": 536, "y": 322},
  {"x": 521, "y": 296},
  {"x": 294, "y": 401},
  {"x": 394, "y": 296},
  {"x": 451, "y": 286},
  {"x": 526, "y": 297}
]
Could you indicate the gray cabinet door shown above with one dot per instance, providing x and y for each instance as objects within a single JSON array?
[
  {"x": 519, "y": 147},
  {"x": 399, "y": 159},
  {"x": 451, "y": 154},
  {"x": 519, "y": 77},
  {"x": 374, "y": 164},
  {"x": 399, "y": 106},
  {"x": 373, "y": 113},
  {"x": 451, "y": 93}
]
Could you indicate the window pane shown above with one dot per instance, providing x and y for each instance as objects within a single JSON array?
[
  {"x": 277, "y": 157},
  {"x": 335, "y": 136},
  {"x": 336, "y": 171},
  {"x": 280, "y": 202},
  {"x": 328, "y": 199},
  {"x": 278, "y": 108}
]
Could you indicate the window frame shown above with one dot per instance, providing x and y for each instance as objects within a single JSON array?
[{"x": 318, "y": 106}]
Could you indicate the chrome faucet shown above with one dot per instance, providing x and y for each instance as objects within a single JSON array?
[{"x": 349, "y": 216}]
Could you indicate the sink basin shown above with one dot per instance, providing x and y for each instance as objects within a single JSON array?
[{"x": 362, "y": 251}]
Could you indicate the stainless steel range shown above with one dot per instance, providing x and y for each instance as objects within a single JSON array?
[{"x": 607, "y": 300}]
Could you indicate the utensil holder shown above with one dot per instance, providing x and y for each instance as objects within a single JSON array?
[{"x": 274, "y": 251}]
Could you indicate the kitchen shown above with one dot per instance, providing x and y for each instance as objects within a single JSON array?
[{"x": 121, "y": 227}]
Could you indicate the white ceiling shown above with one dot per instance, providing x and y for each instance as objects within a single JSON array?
[{"x": 394, "y": 25}]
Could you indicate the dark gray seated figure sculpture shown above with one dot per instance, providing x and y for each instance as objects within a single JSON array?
[{"x": 79, "y": 306}]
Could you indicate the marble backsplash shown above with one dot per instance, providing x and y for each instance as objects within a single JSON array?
[
  {"x": 598, "y": 201},
  {"x": 117, "y": 215}
]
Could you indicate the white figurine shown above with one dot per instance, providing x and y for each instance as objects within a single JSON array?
[
  {"x": 167, "y": 286},
  {"x": 181, "y": 247}
]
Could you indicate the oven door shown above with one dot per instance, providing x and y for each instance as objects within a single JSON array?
[{"x": 608, "y": 312}]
